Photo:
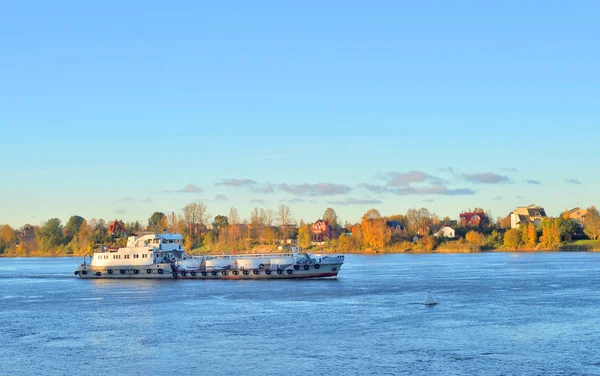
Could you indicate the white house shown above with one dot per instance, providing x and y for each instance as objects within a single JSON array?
[{"x": 446, "y": 232}]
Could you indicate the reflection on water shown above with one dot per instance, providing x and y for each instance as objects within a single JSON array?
[{"x": 496, "y": 314}]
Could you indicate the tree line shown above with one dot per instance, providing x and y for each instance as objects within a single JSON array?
[{"x": 266, "y": 229}]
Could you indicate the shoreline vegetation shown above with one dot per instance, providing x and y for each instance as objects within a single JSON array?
[{"x": 416, "y": 232}]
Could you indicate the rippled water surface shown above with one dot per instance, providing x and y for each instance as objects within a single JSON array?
[{"x": 498, "y": 314}]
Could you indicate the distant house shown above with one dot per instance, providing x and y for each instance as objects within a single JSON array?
[
  {"x": 115, "y": 228},
  {"x": 578, "y": 215},
  {"x": 473, "y": 219},
  {"x": 527, "y": 214},
  {"x": 446, "y": 232},
  {"x": 197, "y": 229},
  {"x": 27, "y": 234},
  {"x": 322, "y": 231},
  {"x": 395, "y": 226}
]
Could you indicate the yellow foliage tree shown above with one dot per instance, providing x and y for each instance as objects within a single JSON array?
[
  {"x": 530, "y": 237},
  {"x": 374, "y": 231},
  {"x": 304, "y": 236},
  {"x": 475, "y": 238}
]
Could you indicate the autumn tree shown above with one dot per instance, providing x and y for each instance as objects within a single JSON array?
[
  {"x": 529, "y": 235},
  {"x": 331, "y": 217},
  {"x": 504, "y": 223},
  {"x": 8, "y": 238},
  {"x": 304, "y": 235},
  {"x": 418, "y": 221},
  {"x": 512, "y": 239},
  {"x": 592, "y": 223},
  {"x": 375, "y": 233},
  {"x": 550, "y": 232},
  {"x": 475, "y": 238}
]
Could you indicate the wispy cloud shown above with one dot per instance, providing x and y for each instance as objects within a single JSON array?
[
  {"x": 375, "y": 188},
  {"x": 486, "y": 178},
  {"x": 300, "y": 201},
  {"x": 401, "y": 179},
  {"x": 534, "y": 182},
  {"x": 419, "y": 190},
  {"x": 190, "y": 188},
  {"x": 498, "y": 198},
  {"x": 509, "y": 169},
  {"x": 429, "y": 200},
  {"x": 220, "y": 197},
  {"x": 257, "y": 201},
  {"x": 519, "y": 197},
  {"x": 119, "y": 211},
  {"x": 352, "y": 201},
  {"x": 572, "y": 181},
  {"x": 264, "y": 188},
  {"x": 233, "y": 182},
  {"x": 320, "y": 189},
  {"x": 433, "y": 190}
]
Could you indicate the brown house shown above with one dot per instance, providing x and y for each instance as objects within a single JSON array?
[
  {"x": 577, "y": 214},
  {"x": 474, "y": 219},
  {"x": 27, "y": 234},
  {"x": 322, "y": 230}
]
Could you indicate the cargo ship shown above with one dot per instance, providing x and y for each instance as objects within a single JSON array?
[{"x": 159, "y": 256}]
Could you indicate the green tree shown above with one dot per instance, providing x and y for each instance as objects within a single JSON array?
[
  {"x": 493, "y": 240},
  {"x": 50, "y": 235},
  {"x": 567, "y": 227},
  {"x": 157, "y": 222},
  {"x": 72, "y": 227},
  {"x": 221, "y": 222},
  {"x": 512, "y": 238},
  {"x": 331, "y": 217}
]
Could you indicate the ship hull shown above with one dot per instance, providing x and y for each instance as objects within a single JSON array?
[{"x": 91, "y": 272}]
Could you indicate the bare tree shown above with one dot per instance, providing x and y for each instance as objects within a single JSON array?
[
  {"x": 234, "y": 217},
  {"x": 267, "y": 217},
  {"x": 195, "y": 213},
  {"x": 284, "y": 217}
]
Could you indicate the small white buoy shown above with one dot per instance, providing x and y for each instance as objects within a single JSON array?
[{"x": 429, "y": 300}]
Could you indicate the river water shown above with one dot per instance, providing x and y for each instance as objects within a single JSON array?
[{"x": 498, "y": 314}]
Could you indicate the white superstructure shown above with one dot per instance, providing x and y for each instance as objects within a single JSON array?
[{"x": 153, "y": 255}]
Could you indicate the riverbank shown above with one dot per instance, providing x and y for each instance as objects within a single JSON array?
[{"x": 200, "y": 252}]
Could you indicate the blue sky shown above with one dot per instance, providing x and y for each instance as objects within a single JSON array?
[{"x": 110, "y": 110}]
